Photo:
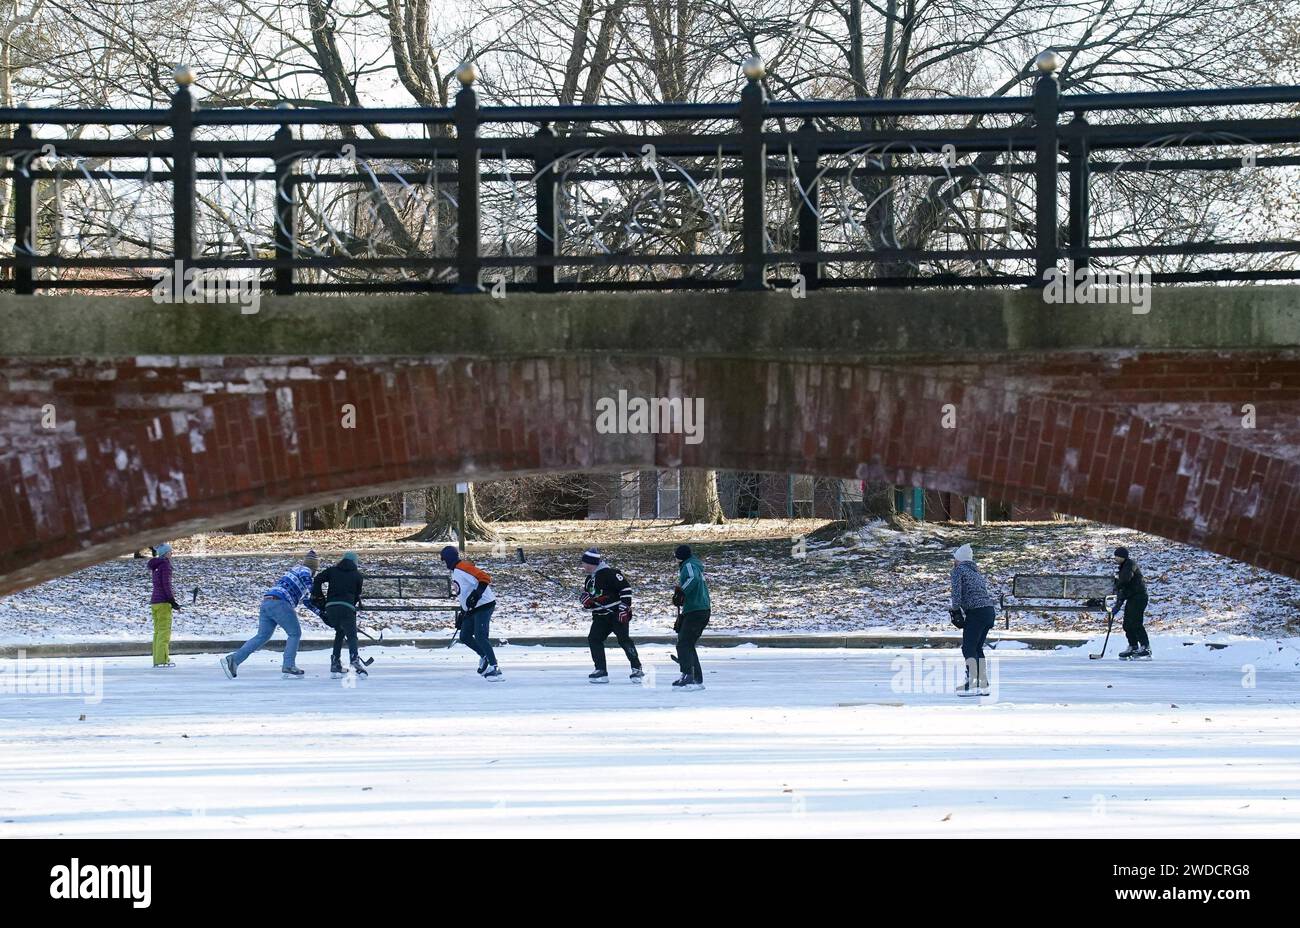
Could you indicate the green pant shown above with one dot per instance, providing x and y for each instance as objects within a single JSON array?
[{"x": 162, "y": 632}]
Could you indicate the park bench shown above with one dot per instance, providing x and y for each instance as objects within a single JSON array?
[
  {"x": 407, "y": 593},
  {"x": 1058, "y": 593}
]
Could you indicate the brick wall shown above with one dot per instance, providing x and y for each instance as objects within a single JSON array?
[{"x": 148, "y": 448}]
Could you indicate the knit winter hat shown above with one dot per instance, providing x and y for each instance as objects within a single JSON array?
[
  {"x": 311, "y": 557},
  {"x": 591, "y": 556},
  {"x": 163, "y": 549},
  {"x": 1121, "y": 552},
  {"x": 450, "y": 556},
  {"x": 964, "y": 553},
  {"x": 350, "y": 556},
  {"x": 683, "y": 552}
]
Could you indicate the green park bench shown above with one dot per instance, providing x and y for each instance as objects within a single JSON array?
[
  {"x": 407, "y": 593},
  {"x": 1058, "y": 593}
]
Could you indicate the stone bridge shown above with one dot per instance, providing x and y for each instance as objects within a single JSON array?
[{"x": 124, "y": 422}]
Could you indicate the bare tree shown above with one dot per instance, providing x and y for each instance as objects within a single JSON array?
[
  {"x": 700, "y": 504},
  {"x": 381, "y": 509},
  {"x": 442, "y": 516}
]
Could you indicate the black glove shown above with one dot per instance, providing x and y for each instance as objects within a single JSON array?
[
  {"x": 471, "y": 601},
  {"x": 460, "y": 619},
  {"x": 679, "y": 598},
  {"x": 174, "y": 604},
  {"x": 957, "y": 617},
  {"x": 677, "y": 626}
]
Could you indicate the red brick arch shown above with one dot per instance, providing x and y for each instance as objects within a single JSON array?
[{"x": 149, "y": 448}]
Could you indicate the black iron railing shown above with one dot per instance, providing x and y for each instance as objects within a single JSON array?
[{"x": 1193, "y": 185}]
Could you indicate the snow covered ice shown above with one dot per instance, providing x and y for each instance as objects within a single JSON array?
[{"x": 1199, "y": 742}]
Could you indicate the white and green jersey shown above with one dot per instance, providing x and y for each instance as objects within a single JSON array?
[{"x": 691, "y": 579}]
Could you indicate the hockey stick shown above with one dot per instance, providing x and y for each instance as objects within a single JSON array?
[
  {"x": 519, "y": 556},
  {"x": 676, "y": 631},
  {"x": 367, "y": 661},
  {"x": 1109, "y": 625},
  {"x": 380, "y": 640}
]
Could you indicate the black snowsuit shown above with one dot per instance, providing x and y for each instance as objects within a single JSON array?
[
  {"x": 606, "y": 593},
  {"x": 688, "y": 634},
  {"x": 341, "y": 604},
  {"x": 1131, "y": 594}
]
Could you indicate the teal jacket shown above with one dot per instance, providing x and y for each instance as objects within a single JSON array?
[{"x": 691, "y": 579}]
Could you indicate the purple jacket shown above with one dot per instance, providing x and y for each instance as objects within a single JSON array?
[{"x": 161, "y": 568}]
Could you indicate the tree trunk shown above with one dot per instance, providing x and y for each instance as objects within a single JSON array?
[
  {"x": 442, "y": 514},
  {"x": 700, "y": 504},
  {"x": 878, "y": 502}
]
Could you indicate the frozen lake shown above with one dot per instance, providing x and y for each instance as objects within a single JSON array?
[{"x": 1198, "y": 742}]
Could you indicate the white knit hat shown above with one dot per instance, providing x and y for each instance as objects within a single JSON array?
[{"x": 964, "y": 553}]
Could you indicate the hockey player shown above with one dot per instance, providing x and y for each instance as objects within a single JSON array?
[
  {"x": 339, "y": 605},
  {"x": 1131, "y": 596},
  {"x": 972, "y": 611},
  {"x": 608, "y": 596},
  {"x": 473, "y": 588},
  {"x": 279, "y": 607},
  {"x": 162, "y": 602},
  {"x": 691, "y": 596}
]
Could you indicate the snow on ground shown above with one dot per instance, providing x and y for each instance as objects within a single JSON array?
[
  {"x": 1198, "y": 742},
  {"x": 889, "y": 581}
]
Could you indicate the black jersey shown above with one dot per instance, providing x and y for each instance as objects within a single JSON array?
[{"x": 607, "y": 591}]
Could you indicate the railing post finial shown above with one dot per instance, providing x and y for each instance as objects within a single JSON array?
[
  {"x": 1048, "y": 62},
  {"x": 467, "y": 73},
  {"x": 753, "y": 68}
]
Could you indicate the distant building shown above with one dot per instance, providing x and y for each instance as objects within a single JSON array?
[
  {"x": 651, "y": 494},
  {"x": 749, "y": 495}
]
